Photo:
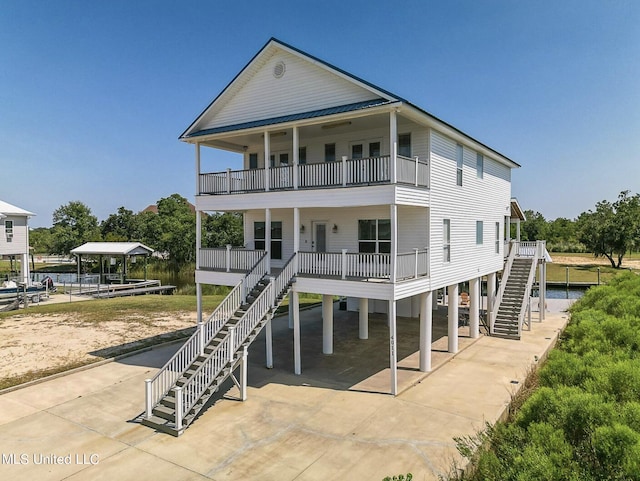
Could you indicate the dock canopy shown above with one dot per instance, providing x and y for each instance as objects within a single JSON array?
[{"x": 112, "y": 250}]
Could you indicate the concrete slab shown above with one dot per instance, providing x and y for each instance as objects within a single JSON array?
[{"x": 315, "y": 426}]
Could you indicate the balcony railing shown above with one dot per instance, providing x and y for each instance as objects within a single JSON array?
[
  {"x": 229, "y": 260},
  {"x": 344, "y": 173}
]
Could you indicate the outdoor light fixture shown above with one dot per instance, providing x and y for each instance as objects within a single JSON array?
[
  {"x": 302, "y": 229},
  {"x": 335, "y": 229}
]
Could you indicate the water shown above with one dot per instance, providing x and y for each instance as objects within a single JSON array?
[{"x": 562, "y": 293}]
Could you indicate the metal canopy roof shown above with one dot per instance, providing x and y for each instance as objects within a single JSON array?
[
  {"x": 112, "y": 248},
  {"x": 7, "y": 209},
  {"x": 288, "y": 118}
]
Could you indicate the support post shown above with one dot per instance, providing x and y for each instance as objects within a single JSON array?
[
  {"x": 327, "y": 324},
  {"x": 393, "y": 140},
  {"x": 363, "y": 321},
  {"x": 296, "y": 158},
  {"x": 243, "y": 374},
  {"x": 228, "y": 258},
  {"x": 393, "y": 348},
  {"x": 269, "y": 344},
  {"x": 474, "y": 308},
  {"x": 393, "y": 208},
  {"x": 344, "y": 171},
  {"x": 267, "y": 237},
  {"x": 426, "y": 330},
  {"x": 491, "y": 292},
  {"x": 228, "y": 180},
  {"x": 199, "y": 301},
  {"x": 147, "y": 396},
  {"x": 452, "y": 294},
  {"x": 344, "y": 264},
  {"x": 200, "y": 336},
  {"x": 267, "y": 160},
  {"x": 296, "y": 236},
  {"x": 297, "y": 369},
  {"x": 198, "y": 186},
  {"x": 178, "y": 393},
  {"x": 290, "y": 312}
]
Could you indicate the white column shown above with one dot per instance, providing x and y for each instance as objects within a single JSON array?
[
  {"x": 267, "y": 237},
  {"x": 393, "y": 208},
  {"x": 267, "y": 162},
  {"x": 197, "y": 169},
  {"x": 507, "y": 223},
  {"x": 543, "y": 289},
  {"x": 199, "y": 301},
  {"x": 363, "y": 312},
  {"x": 393, "y": 348},
  {"x": 393, "y": 145},
  {"x": 290, "y": 312},
  {"x": 269, "y": 344},
  {"x": 296, "y": 156},
  {"x": 296, "y": 235},
  {"x": 243, "y": 374},
  {"x": 518, "y": 230},
  {"x": 452, "y": 294},
  {"x": 327, "y": 324},
  {"x": 296, "y": 331},
  {"x": 474, "y": 308},
  {"x": 426, "y": 336}
]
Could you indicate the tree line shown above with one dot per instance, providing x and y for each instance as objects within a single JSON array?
[
  {"x": 171, "y": 231},
  {"x": 611, "y": 230}
]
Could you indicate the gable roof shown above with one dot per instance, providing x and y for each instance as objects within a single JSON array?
[
  {"x": 7, "y": 209},
  {"x": 379, "y": 95},
  {"x": 112, "y": 248}
]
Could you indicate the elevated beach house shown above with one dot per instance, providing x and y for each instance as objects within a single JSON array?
[
  {"x": 14, "y": 237},
  {"x": 346, "y": 189}
]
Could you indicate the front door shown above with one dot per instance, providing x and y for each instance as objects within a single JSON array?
[{"x": 319, "y": 241}]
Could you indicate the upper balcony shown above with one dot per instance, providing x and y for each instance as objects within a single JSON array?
[{"x": 334, "y": 174}]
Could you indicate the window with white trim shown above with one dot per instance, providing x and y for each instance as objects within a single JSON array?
[
  {"x": 479, "y": 232},
  {"x": 446, "y": 239},
  {"x": 498, "y": 238},
  {"x": 302, "y": 155},
  {"x": 374, "y": 236},
  {"x": 480, "y": 165},
  {"x": 8, "y": 230},
  {"x": 329, "y": 152},
  {"x": 459, "y": 163},
  {"x": 276, "y": 238},
  {"x": 253, "y": 161},
  {"x": 404, "y": 145}
]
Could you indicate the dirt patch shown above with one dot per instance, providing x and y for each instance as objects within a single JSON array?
[
  {"x": 30, "y": 344},
  {"x": 588, "y": 260}
]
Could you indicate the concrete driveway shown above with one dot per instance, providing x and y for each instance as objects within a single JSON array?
[{"x": 331, "y": 422}]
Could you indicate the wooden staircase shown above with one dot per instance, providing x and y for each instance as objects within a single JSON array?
[
  {"x": 506, "y": 324},
  {"x": 216, "y": 360}
]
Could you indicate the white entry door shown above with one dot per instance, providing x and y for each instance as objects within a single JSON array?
[{"x": 319, "y": 241}]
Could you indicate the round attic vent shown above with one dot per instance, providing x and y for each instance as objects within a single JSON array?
[{"x": 279, "y": 69}]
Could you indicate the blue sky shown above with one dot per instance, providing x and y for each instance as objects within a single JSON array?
[{"x": 93, "y": 95}]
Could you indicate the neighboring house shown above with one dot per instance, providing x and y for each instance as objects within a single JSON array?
[
  {"x": 346, "y": 190},
  {"x": 14, "y": 236}
]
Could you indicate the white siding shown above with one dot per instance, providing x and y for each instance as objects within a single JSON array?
[
  {"x": 19, "y": 241},
  {"x": 486, "y": 199},
  {"x": 304, "y": 87}
]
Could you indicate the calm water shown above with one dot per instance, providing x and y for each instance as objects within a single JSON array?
[{"x": 563, "y": 293}]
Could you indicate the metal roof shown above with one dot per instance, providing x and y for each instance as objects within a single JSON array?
[
  {"x": 292, "y": 117},
  {"x": 9, "y": 209},
  {"x": 112, "y": 248}
]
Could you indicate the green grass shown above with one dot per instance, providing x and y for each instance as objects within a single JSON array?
[{"x": 581, "y": 273}]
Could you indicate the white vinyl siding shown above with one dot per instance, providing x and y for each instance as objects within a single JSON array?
[
  {"x": 304, "y": 87},
  {"x": 14, "y": 235}
]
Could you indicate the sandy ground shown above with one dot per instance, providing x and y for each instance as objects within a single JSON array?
[
  {"x": 38, "y": 342},
  {"x": 590, "y": 260}
]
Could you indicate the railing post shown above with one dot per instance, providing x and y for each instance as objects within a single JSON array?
[
  {"x": 416, "y": 264},
  {"x": 232, "y": 338},
  {"x": 228, "y": 180},
  {"x": 148, "y": 393},
  {"x": 179, "y": 403},
  {"x": 416, "y": 160},
  {"x": 201, "y": 337},
  {"x": 344, "y": 264},
  {"x": 344, "y": 171},
  {"x": 228, "y": 261}
]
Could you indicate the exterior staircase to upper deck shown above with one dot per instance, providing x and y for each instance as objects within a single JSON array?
[
  {"x": 181, "y": 388},
  {"x": 510, "y": 309}
]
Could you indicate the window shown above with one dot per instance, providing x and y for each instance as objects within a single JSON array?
[
  {"x": 253, "y": 161},
  {"x": 356, "y": 151},
  {"x": 329, "y": 152},
  {"x": 8, "y": 230},
  {"x": 446, "y": 239},
  {"x": 459, "y": 161},
  {"x": 497, "y": 237},
  {"x": 404, "y": 145},
  {"x": 302, "y": 155},
  {"x": 276, "y": 238},
  {"x": 480, "y": 165},
  {"x": 479, "y": 232},
  {"x": 374, "y": 236}
]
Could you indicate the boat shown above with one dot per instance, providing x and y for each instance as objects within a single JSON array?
[{"x": 10, "y": 291}]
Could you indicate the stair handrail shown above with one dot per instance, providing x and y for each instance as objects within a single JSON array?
[
  {"x": 160, "y": 384},
  {"x": 223, "y": 354},
  {"x": 527, "y": 292},
  {"x": 503, "y": 283},
  {"x": 265, "y": 303}
]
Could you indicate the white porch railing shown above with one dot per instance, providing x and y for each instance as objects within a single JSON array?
[
  {"x": 345, "y": 172},
  {"x": 536, "y": 251},
  {"x": 347, "y": 265},
  {"x": 159, "y": 385},
  {"x": 229, "y": 259}
]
